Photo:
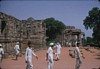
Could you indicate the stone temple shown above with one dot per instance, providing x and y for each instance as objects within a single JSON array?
[{"x": 13, "y": 30}]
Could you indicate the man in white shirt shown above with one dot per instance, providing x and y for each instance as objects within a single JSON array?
[
  {"x": 49, "y": 56},
  {"x": 28, "y": 56},
  {"x": 78, "y": 56},
  {"x": 1, "y": 54},
  {"x": 58, "y": 51},
  {"x": 17, "y": 49}
]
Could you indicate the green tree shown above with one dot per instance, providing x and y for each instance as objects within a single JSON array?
[
  {"x": 54, "y": 29},
  {"x": 92, "y": 21},
  {"x": 89, "y": 40}
]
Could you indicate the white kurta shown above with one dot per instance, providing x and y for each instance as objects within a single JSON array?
[
  {"x": 58, "y": 51},
  {"x": 50, "y": 58},
  {"x": 28, "y": 57},
  {"x": 77, "y": 53},
  {"x": 78, "y": 57},
  {"x": 17, "y": 49},
  {"x": 58, "y": 47},
  {"x": 1, "y": 52}
]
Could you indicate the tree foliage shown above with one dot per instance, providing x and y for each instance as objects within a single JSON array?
[
  {"x": 92, "y": 21},
  {"x": 54, "y": 28},
  {"x": 89, "y": 40}
]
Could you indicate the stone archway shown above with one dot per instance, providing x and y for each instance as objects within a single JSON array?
[{"x": 70, "y": 35}]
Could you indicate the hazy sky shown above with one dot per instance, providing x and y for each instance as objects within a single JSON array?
[{"x": 69, "y": 12}]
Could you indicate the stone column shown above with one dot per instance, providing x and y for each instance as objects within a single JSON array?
[{"x": 83, "y": 39}]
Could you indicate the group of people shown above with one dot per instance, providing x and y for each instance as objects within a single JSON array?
[
  {"x": 17, "y": 50},
  {"x": 28, "y": 54},
  {"x": 49, "y": 55},
  {"x": 50, "y": 52}
]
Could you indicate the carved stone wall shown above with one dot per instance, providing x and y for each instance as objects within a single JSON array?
[{"x": 13, "y": 30}]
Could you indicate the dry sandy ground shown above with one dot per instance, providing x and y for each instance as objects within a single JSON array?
[{"x": 91, "y": 61}]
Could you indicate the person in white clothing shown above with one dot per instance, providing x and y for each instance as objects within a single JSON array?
[
  {"x": 1, "y": 54},
  {"x": 49, "y": 56},
  {"x": 78, "y": 56},
  {"x": 58, "y": 51},
  {"x": 28, "y": 56},
  {"x": 17, "y": 49}
]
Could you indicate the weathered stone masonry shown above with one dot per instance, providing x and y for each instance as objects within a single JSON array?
[
  {"x": 13, "y": 30},
  {"x": 72, "y": 35}
]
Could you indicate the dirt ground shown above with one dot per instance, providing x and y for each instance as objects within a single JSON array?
[{"x": 91, "y": 61}]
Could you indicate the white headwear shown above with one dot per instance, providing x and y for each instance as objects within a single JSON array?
[
  {"x": 17, "y": 43},
  {"x": 51, "y": 44},
  {"x": 1, "y": 45}
]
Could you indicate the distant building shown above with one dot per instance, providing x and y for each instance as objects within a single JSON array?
[
  {"x": 13, "y": 30},
  {"x": 71, "y": 35}
]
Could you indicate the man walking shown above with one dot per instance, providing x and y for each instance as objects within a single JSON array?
[
  {"x": 1, "y": 54},
  {"x": 58, "y": 51},
  {"x": 78, "y": 56},
  {"x": 49, "y": 56},
  {"x": 17, "y": 50},
  {"x": 28, "y": 56}
]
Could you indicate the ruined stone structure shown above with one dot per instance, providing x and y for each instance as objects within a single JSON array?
[
  {"x": 71, "y": 34},
  {"x": 13, "y": 30}
]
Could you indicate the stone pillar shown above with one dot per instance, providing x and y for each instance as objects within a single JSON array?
[
  {"x": 80, "y": 39},
  {"x": 77, "y": 37},
  {"x": 83, "y": 39},
  {"x": 64, "y": 39}
]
